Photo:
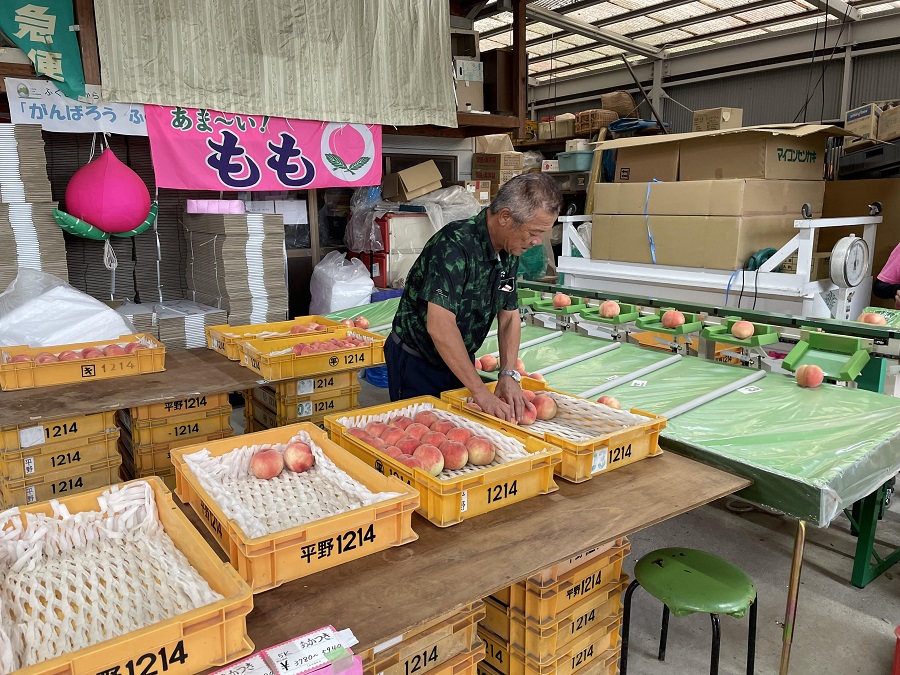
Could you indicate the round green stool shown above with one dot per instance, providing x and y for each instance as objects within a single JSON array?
[{"x": 688, "y": 581}]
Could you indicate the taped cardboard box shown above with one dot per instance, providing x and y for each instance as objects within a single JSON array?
[
  {"x": 713, "y": 119},
  {"x": 412, "y": 182},
  {"x": 711, "y": 242},
  {"x": 481, "y": 190},
  {"x": 889, "y": 124},
  {"x": 737, "y": 197},
  {"x": 500, "y": 161},
  {"x": 778, "y": 151},
  {"x": 496, "y": 177},
  {"x": 862, "y": 121}
]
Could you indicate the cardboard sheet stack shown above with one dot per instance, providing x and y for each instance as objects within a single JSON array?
[
  {"x": 179, "y": 324},
  {"x": 237, "y": 262},
  {"x": 31, "y": 236}
]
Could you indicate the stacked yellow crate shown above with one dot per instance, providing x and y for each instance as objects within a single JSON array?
[
  {"x": 150, "y": 432},
  {"x": 304, "y": 400},
  {"x": 449, "y": 645},
  {"x": 57, "y": 458},
  {"x": 564, "y": 620}
]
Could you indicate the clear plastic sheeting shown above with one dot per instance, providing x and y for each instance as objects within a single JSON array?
[
  {"x": 40, "y": 310},
  {"x": 597, "y": 370},
  {"x": 675, "y": 384},
  {"x": 492, "y": 344},
  {"x": 448, "y": 204},
  {"x": 810, "y": 452}
]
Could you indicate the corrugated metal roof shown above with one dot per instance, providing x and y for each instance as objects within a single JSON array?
[{"x": 694, "y": 29}]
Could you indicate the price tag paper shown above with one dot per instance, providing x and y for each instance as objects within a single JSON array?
[
  {"x": 31, "y": 436},
  {"x": 598, "y": 461}
]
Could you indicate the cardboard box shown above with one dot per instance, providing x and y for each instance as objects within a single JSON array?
[
  {"x": 496, "y": 177},
  {"x": 504, "y": 161},
  {"x": 469, "y": 96},
  {"x": 481, "y": 190},
  {"x": 889, "y": 124},
  {"x": 564, "y": 128},
  {"x": 777, "y": 151},
  {"x": 863, "y": 122},
  {"x": 737, "y": 197},
  {"x": 711, "y": 242},
  {"x": 717, "y": 118},
  {"x": 821, "y": 266},
  {"x": 642, "y": 164},
  {"x": 468, "y": 70},
  {"x": 411, "y": 183}
]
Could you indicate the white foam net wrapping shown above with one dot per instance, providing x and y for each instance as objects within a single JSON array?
[
  {"x": 580, "y": 420},
  {"x": 263, "y": 507},
  {"x": 506, "y": 449},
  {"x": 70, "y": 581}
]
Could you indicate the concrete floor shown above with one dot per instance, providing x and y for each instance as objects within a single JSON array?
[{"x": 840, "y": 630}]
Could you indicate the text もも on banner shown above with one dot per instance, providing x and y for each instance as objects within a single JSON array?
[
  {"x": 41, "y": 29},
  {"x": 197, "y": 149},
  {"x": 40, "y": 102}
]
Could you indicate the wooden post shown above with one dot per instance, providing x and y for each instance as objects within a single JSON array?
[
  {"x": 520, "y": 66},
  {"x": 87, "y": 39}
]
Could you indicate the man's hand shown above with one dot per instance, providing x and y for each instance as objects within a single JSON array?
[
  {"x": 511, "y": 390},
  {"x": 492, "y": 405}
]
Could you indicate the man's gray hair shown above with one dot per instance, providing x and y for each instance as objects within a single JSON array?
[{"x": 526, "y": 194}]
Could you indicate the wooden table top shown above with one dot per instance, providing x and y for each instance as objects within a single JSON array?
[{"x": 389, "y": 593}]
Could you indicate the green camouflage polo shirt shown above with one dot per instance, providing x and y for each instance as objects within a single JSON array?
[{"x": 459, "y": 270}]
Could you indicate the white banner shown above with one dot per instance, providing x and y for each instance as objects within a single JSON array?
[{"x": 40, "y": 102}]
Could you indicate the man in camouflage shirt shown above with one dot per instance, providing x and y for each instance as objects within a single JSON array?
[{"x": 463, "y": 279}]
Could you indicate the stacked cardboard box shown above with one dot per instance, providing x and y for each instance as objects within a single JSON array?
[
  {"x": 708, "y": 199},
  {"x": 150, "y": 432},
  {"x": 26, "y": 207},
  {"x": 873, "y": 122},
  {"x": 563, "y": 619},
  {"x": 496, "y": 167}
]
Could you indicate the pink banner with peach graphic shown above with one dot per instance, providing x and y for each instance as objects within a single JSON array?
[{"x": 197, "y": 149}]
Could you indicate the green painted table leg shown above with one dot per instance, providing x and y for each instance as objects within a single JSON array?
[
  {"x": 871, "y": 377},
  {"x": 867, "y": 522}
]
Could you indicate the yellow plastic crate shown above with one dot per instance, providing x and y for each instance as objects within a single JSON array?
[
  {"x": 152, "y": 458},
  {"x": 60, "y": 484},
  {"x": 226, "y": 339},
  {"x": 543, "y": 644},
  {"x": 73, "y": 430},
  {"x": 583, "y": 455},
  {"x": 188, "y": 406},
  {"x": 595, "y": 643},
  {"x": 605, "y": 664},
  {"x": 258, "y": 357},
  {"x": 301, "y": 407},
  {"x": 464, "y": 664},
  {"x": 317, "y": 385},
  {"x": 208, "y": 636},
  {"x": 30, "y": 374},
  {"x": 544, "y": 605},
  {"x": 127, "y": 473},
  {"x": 430, "y": 648},
  {"x": 169, "y": 429},
  {"x": 447, "y": 501},
  {"x": 269, "y": 561},
  {"x": 16, "y": 465}
]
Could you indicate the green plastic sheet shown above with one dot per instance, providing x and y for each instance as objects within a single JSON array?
[
  {"x": 491, "y": 344},
  {"x": 595, "y": 371},
  {"x": 378, "y": 313},
  {"x": 810, "y": 452},
  {"x": 678, "y": 383}
]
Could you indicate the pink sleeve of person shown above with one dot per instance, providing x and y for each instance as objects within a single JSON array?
[{"x": 890, "y": 273}]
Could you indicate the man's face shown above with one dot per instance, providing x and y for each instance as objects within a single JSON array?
[{"x": 530, "y": 233}]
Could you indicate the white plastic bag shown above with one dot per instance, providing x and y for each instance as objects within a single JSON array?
[
  {"x": 40, "y": 310},
  {"x": 448, "y": 204},
  {"x": 338, "y": 283}
]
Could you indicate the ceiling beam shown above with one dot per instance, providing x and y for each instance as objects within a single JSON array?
[
  {"x": 499, "y": 8},
  {"x": 586, "y": 29},
  {"x": 837, "y": 8},
  {"x": 672, "y": 25}
]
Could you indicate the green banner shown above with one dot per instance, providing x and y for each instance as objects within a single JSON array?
[{"x": 41, "y": 29}]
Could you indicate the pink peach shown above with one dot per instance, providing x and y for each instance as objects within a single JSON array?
[
  {"x": 358, "y": 432},
  {"x": 471, "y": 405},
  {"x": 873, "y": 318},
  {"x": 545, "y": 407},
  {"x": 266, "y": 464},
  {"x": 481, "y": 451},
  {"x": 408, "y": 445},
  {"x": 459, "y": 435},
  {"x": 375, "y": 429},
  {"x": 528, "y": 417},
  {"x": 114, "y": 350},
  {"x": 392, "y": 435},
  {"x": 392, "y": 451},
  {"x": 528, "y": 394},
  {"x": 299, "y": 329},
  {"x": 298, "y": 457},
  {"x": 431, "y": 458},
  {"x": 401, "y": 422},
  {"x": 410, "y": 461},
  {"x": 610, "y": 309},
  {"x": 348, "y": 322},
  {"x": 92, "y": 354},
  {"x": 45, "y": 357},
  {"x": 416, "y": 430},
  {"x": 610, "y": 402},
  {"x": 561, "y": 300},
  {"x": 434, "y": 438},
  {"x": 68, "y": 355},
  {"x": 132, "y": 347},
  {"x": 20, "y": 358},
  {"x": 478, "y": 364},
  {"x": 742, "y": 330},
  {"x": 361, "y": 322},
  {"x": 442, "y": 426},
  {"x": 489, "y": 363},
  {"x": 377, "y": 443},
  {"x": 425, "y": 417},
  {"x": 672, "y": 319},
  {"x": 455, "y": 455},
  {"x": 809, "y": 376}
]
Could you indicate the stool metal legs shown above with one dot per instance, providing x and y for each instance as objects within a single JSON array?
[
  {"x": 664, "y": 633},
  {"x": 716, "y": 637}
]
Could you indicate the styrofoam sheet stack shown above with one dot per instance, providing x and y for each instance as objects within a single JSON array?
[
  {"x": 33, "y": 238},
  {"x": 237, "y": 262},
  {"x": 182, "y": 323}
]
